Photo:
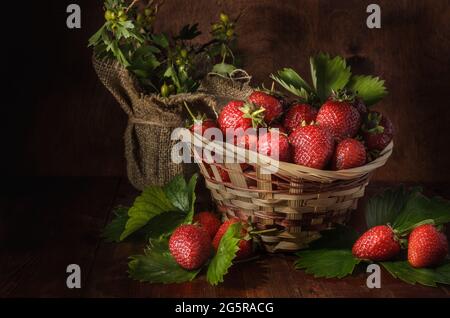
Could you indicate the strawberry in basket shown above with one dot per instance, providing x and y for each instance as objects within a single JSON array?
[
  {"x": 339, "y": 115},
  {"x": 272, "y": 106},
  {"x": 377, "y": 131},
  {"x": 298, "y": 113}
]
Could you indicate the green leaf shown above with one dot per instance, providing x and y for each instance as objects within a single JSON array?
[
  {"x": 226, "y": 252},
  {"x": 163, "y": 224},
  {"x": 112, "y": 231},
  {"x": 424, "y": 276},
  {"x": 188, "y": 32},
  {"x": 327, "y": 263},
  {"x": 97, "y": 37},
  {"x": 160, "y": 40},
  {"x": 158, "y": 265},
  {"x": 150, "y": 203},
  {"x": 223, "y": 68},
  {"x": 340, "y": 237},
  {"x": 386, "y": 206},
  {"x": 292, "y": 82},
  {"x": 421, "y": 209},
  {"x": 370, "y": 89},
  {"x": 328, "y": 74},
  {"x": 191, "y": 194}
]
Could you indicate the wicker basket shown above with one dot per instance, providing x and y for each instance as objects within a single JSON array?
[{"x": 296, "y": 202}]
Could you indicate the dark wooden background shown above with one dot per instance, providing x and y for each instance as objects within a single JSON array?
[{"x": 60, "y": 121}]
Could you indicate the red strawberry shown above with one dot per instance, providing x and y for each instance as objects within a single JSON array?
[
  {"x": 208, "y": 221},
  {"x": 427, "y": 246},
  {"x": 349, "y": 153},
  {"x": 224, "y": 173},
  {"x": 340, "y": 117},
  {"x": 245, "y": 246},
  {"x": 275, "y": 145},
  {"x": 377, "y": 130},
  {"x": 190, "y": 246},
  {"x": 272, "y": 106},
  {"x": 237, "y": 114},
  {"x": 297, "y": 114},
  {"x": 377, "y": 244},
  {"x": 312, "y": 146}
]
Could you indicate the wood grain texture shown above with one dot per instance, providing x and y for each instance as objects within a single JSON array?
[
  {"x": 68, "y": 124},
  {"x": 57, "y": 221}
]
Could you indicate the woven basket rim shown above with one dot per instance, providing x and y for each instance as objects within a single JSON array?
[{"x": 295, "y": 170}]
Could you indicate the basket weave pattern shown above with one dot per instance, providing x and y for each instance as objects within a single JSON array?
[{"x": 296, "y": 202}]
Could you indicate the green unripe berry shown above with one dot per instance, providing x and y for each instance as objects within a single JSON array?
[
  {"x": 230, "y": 33},
  {"x": 109, "y": 15},
  {"x": 224, "y": 18},
  {"x": 123, "y": 18},
  {"x": 120, "y": 13},
  {"x": 184, "y": 53},
  {"x": 148, "y": 12},
  {"x": 216, "y": 26},
  {"x": 165, "y": 91}
]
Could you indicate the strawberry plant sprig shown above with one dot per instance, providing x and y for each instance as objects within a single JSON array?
[
  {"x": 163, "y": 64},
  {"x": 332, "y": 256},
  {"x": 330, "y": 75}
]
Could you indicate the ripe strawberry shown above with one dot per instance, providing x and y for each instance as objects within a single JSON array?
[
  {"x": 312, "y": 146},
  {"x": 224, "y": 173},
  {"x": 245, "y": 246},
  {"x": 237, "y": 114},
  {"x": 377, "y": 244},
  {"x": 377, "y": 131},
  {"x": 190, "y": 246},
  {"x": 272, "y": 106},
  {"x": 208, "y": 221},
  {"x": 340, "y": 117},
  {"x": 349, "y": 153},
  {"x": 275, "y": 145},
  {"x": 427, "y": 246},
  {"x": 297, "y": 114}
]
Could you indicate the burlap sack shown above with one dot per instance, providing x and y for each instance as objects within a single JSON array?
[
  {"x": 151, "y": 121},
  {"x": 224, "y": 88}
]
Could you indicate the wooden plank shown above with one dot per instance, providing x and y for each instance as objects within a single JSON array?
[{"x": 50, "y": 223}]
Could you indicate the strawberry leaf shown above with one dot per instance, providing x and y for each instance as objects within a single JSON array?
[
  {"x": 327, "y": 263},
  {"x": 420, "y": 209},
  {"x": 424, "y": 276},
  {"x": 292, "y": 82},
  {"x": 384, "y": 208},
  {"x": 370, "y": 89},
  {"x": 158, "y": 265},
  {"x": 340, "y": 237},
  {"x": 226, "y": 252},
  {"x": 175, "y": 197},
  {"x": 328, "y": 74},
  {"x": 223, "y": 68}
]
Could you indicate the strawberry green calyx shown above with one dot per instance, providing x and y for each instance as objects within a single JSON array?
[
  {"x": 255, "y": 113},
  {"x": 372, "y": 123},
  {"x": 343, "y": 95}
]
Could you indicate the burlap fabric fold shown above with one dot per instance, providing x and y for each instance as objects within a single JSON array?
[{"x": 151, "y": 121}]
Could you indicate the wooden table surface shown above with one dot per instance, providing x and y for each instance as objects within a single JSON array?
[{"x": 49, "y": 223}]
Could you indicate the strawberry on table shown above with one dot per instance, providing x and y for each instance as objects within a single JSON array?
[
  {"x": 377, "y": 244},
  {"x": 245, "y": 246},
  {"x": 190, "y": 246},
  {"x": 339, "y": 116},
  {"x": 312, "y": 146},
  {"x": 378, "y": 131},
  {"x": 427, "y": 246},
  {"x": 349, "y": 153},
  {"x": 297, "y": 114},
  {"x": 273, "y": 107},
  {"x": 208, "y": 221}
]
